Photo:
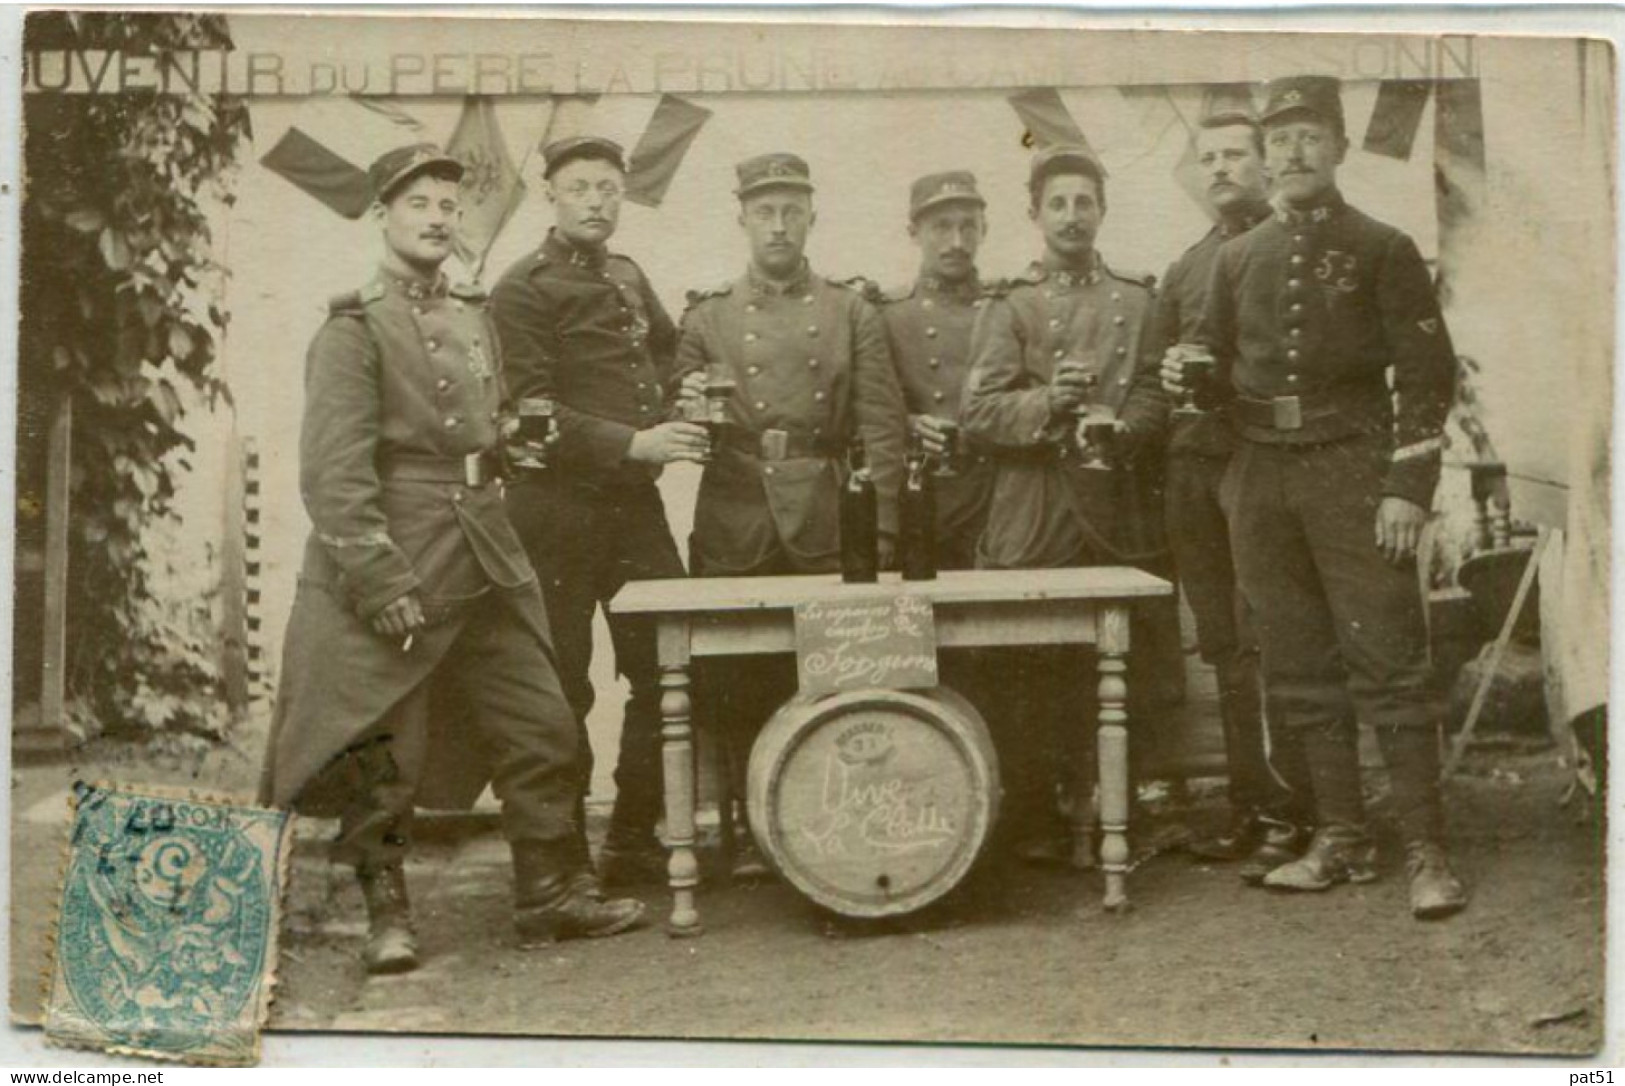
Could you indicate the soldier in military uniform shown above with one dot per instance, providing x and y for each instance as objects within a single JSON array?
[
  {"x": 808, "y": 359},
  {"x": 1266, "y": 818},
  {"x": 1308, "y": 314},
  {"x": 581, "y": 324},
  {"x": 1048, "y": 510},
  {"x": 417, "y": 664},
  {"x": 928, "y": 327}
]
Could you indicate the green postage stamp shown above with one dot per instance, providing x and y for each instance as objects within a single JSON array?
[{"x": 165, "y": 943}]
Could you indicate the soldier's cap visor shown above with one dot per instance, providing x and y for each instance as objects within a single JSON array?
[
  {"x": 942, "y": 198},
  {"x": 440, "y": 164}
]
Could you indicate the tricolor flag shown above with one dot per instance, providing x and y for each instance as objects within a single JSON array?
[
  {"x": 671, "y": 130},
  {"x": 1396, "y": 117},
  {"x": 1047, "y": 119},
  {"x": 492, "y": 187}
]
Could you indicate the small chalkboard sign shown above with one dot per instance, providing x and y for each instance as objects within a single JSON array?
[{"x": 889, "y": 642}]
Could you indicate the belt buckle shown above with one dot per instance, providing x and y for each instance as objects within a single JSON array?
[
  {"x": 1287, "y": 413},
  {"x": 775, "y": 444},
  {"x": 474, "y": 470}
]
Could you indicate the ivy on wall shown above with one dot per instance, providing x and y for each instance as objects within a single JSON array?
[{"x": 120, "y": 311}]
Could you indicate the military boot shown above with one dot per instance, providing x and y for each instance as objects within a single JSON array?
[
  {"x": 391, "y": 946},
  {"x": 552, "y": 902},
  {"x": 1436, "y": 892},
  {"x": 1282, "y": 843},
  {"x": 1338, "y": 853}
]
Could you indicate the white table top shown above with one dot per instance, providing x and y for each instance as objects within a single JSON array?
[{"x": 712, "y": 594}]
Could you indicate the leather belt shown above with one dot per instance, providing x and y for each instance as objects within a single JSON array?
[
  {"x": 475, "y": 470},
  {"x": 1339, "y": 408},
  {"x": 776, "y": 444}
]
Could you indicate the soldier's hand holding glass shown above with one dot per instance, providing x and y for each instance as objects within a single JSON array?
[
  {"x": 691, "y": 395},
  {"x": 936, "y": 435},
  {"x": 1188, "y": 371},
  {"x": 531, "y": 432},
  {"x": 1071, "y": 386},
  {"x": 669, "y": 442}
]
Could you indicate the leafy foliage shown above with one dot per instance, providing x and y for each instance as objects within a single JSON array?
[{"x": 120, "y": 311}]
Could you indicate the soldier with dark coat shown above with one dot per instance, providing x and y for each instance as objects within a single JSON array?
[
  {"x": 418, "y": 664},
  {"x": 1308, "y": 315},
  {"x": 928, "y": 327},
  {"x": 581, "y": 325},
  {"x": 810, "y": 371},
  {"x": 1266, "y": 819},
  {"x": 1069, "y": 332}
]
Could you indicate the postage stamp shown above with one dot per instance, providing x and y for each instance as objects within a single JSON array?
[{"x": 166, "y": 932}]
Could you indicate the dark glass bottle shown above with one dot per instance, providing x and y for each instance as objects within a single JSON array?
[
  {"x": 860, "y": 520},
  {"x": 917, "y": 518}
]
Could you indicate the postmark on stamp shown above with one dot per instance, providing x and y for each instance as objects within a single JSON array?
[{"x": 165, "y": 943}]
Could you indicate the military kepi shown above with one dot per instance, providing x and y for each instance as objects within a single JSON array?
[
  {"x": 776, "y": 170},
  {"x": 1065, "y": 158},
  {"x": 557, "y": 153},
  {"x": 395, "y": 168},
  {"x": 933, "y": 190},
  {"x": 1318, "y": 95}
]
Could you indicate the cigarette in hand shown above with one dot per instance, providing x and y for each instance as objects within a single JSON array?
[{"x": 406, "y": 645}]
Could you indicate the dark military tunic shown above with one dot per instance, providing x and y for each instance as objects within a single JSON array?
[
  {"x": 401, "y": 384},
  {"x": 1309, "y": 314},
  {"x": 585, "y": 327},
  {"x": 809, "y": 359},
  {"x": 1199, "y": 451},
  {"x": 928, "y": 327},
  {"x": 1047, "y": 510}
]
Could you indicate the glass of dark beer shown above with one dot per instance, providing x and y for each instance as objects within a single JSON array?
[
  {"x": 537, "y": 425},
  {"x": 1198, "y": 372},
  {"x": 718, "y": 391}
]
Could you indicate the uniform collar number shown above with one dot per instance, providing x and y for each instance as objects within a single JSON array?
[{"x": 1335, "y": 270}]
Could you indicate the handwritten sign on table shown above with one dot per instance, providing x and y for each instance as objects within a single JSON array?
[{"x": 876, "y": 641}]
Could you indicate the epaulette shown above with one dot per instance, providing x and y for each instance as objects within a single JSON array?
[
  {"x": 353, "y": 302},
  {"x": 1142, "y": 279},
  {"x": 867, "y": 288},
  {"x": 1032, "y": 277},
  {"x": 695, "y": 297},
  {"x": 468, "y": 292}
]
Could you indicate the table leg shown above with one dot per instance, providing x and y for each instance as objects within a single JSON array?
[
  {"x": 677, "y": 732},
  {"x": 1112, "y": 736}
]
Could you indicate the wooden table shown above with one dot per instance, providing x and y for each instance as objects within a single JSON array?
[{"x": 729, "y": 616}]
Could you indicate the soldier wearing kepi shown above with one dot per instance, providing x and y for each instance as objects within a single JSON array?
[
  {"x": 928, "y": 327},
  {"x": 417, "y": 664},
  {"x": 807, "y": 361},
  {"x": 1065, "y": 337},
  {"x": 1265, "y": 818},
  {"x": 1308, "y": 315},
  {"x": 581, "y": 325}
]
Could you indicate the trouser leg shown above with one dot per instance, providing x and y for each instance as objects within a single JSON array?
[
  {"x": 558, "y": 529},
  {"x": 376, "y": 822},
  {"x": 1382, "y": 631},
  {"x": 643, "y": 549},
  {"x": 1278, "y": 576},
  {"x": 525, "y": 722}
]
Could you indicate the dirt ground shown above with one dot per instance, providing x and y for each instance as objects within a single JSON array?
[{"x": 1019, "y": 956}]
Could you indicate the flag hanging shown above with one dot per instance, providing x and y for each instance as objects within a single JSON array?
[
  {"x": 1396, "y": 117},
  {"x": 1047, "y": 119},
  {"x": 660, "y": 150},
  {"x": 321, "y": 173},
  {"x": 492, "y": 187}
]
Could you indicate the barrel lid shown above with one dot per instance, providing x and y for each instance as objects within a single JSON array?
[{"x": 874, "y": 803}]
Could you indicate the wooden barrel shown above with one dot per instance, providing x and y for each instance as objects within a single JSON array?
[{"x": 874, "y": 802}]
